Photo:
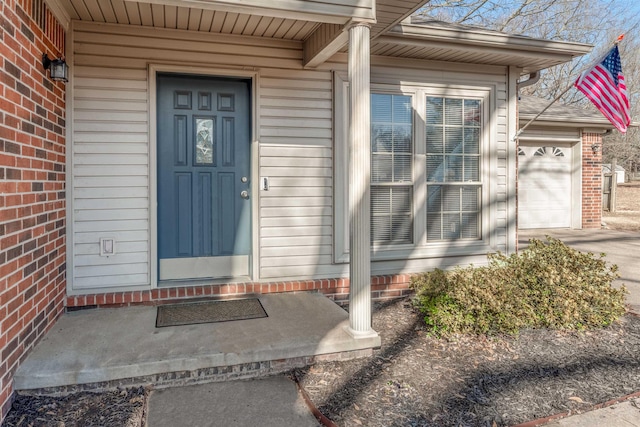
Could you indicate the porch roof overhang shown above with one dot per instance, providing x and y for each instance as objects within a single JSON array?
[
  {"x": 439, "y": 41},
  {"x": 321, "y": 27}
]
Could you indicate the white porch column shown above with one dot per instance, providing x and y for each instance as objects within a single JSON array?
[{"x": 359, "y": 183}]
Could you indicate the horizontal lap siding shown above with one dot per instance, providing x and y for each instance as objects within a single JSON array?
[
  {"x": 110, "y": 176},
  {"x": 296, "y": 155}
]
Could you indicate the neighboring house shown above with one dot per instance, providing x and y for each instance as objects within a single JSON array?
[
  {"x": 232, "y": 147},
  {"x": 620, "y": 172},
  {"x": 559, "y": 173}
]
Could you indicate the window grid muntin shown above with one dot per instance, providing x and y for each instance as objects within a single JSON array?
[{"x": 445, "y": 221}]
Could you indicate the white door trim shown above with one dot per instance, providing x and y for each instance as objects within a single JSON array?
[{"x": 153, "y": 70}]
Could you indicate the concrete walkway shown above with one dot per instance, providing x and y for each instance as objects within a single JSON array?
[
  {"x": 625, "y": 414},
  {"x": 266, "y": 402}
]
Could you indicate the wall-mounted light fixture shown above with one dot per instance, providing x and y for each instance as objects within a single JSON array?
[
  {"x": 58, "y": 68},
  {"x": 595, "y": 148}
]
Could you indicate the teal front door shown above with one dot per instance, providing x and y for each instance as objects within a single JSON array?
[{"x": 204, "y": 205}]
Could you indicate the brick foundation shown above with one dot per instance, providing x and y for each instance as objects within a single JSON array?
[
  {"x": 591, "y": 180},
  {"x": 382, "y": 287},
  {"x": 32, "y": 184}
]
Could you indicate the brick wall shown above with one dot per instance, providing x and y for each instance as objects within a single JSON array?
[
  {"x": 382, "y": 287},
  {"x": 32, "y": 184},
  {"x": 591, "y": 181}
]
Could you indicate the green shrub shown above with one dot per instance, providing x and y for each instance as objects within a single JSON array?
[{"x": 548, "y": 285}]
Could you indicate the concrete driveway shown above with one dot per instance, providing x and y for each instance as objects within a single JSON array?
[{"x": 621, "y": 248}]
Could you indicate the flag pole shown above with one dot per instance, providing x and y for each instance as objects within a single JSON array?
[{"x": 519, "y": 132}]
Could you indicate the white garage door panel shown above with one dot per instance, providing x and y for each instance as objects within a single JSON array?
[{"x": 544, "y": 189}]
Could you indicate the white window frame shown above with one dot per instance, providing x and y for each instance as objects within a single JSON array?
[{"x": 420, "y": 248}]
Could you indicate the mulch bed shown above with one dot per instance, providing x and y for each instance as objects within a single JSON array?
[
  {"x": 122, "y": 408},
  {"x": 418, "y": 380}
]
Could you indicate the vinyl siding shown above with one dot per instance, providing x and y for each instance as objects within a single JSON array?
[
  {"x": 111, "y": 187},
  {"x": 110, "y": 176}
]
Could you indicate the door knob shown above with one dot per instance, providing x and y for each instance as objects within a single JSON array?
[{"x": 244, "y": 194}]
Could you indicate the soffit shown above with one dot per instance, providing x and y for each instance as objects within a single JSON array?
[
  {"x": 185, "y": 18},
  {"x": 438, "y": 41}
]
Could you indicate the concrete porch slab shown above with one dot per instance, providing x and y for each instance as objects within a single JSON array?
[{"x": 104, "y": 348}]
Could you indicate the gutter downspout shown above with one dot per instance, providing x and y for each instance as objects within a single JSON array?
[{"x": 533, "y": 79}]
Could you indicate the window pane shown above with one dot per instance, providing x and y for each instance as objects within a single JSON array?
[
  {"x": 471, "y": 169},
  {"x": 451, "y": 226},
  {"x": 453, "y": 168},
  {"x": 380, "y": 108},
  {"x": 434, "y": 198},
  {"x": 402, "y": 109},
  {"x": 471, "y": 198},
  {"x": 381, "y": 167},
  {"x": 453, "y": 112},
  {"x": 391, "y": 210},
  {"x": 381, "y": 138},
  {"x": 434, "y": 212},
  {"x": 402, "y": 229},
  {"x": 402, "y": 139},
  {"x": 204, "y": 141},
  {"x": 472, "y": 112},
  {"x": 472, "y": 141},
  {"x": 381, "y": 229},
  {"x": 453, "y": 140},
  {"x": 451, "y": 199},
  {"x": 435, "y": 111},
  {"x": 401, "y": 200},
  {"x": 380, "y": 200},
  {"x": 470, "y": 228},
  {"x": 435, "y": 137},
  {"x": 392, "y": 133},
  {"x": 435, "y": 168},
  {"x": 434, "y": 226},
  {"x": 402, "y": 168}
]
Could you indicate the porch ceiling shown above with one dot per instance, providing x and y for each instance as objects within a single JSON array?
[
  {"x": 223, "y": 17},
  {"x": 187, "y": 18}
]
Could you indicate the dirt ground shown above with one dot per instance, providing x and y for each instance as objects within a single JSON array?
[
  {"x": 627, "y": 215},
  {"x": 418, "y": 380}
]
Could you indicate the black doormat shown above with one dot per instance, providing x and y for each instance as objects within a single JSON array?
[{"x": 208, "y": 312}]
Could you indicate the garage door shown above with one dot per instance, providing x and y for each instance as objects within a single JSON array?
[{"x": 544, "y": 188}]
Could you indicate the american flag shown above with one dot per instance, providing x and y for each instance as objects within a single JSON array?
[{"x": 604, "y": 85}]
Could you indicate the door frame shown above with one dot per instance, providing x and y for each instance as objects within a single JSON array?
[{"x": 253, "y": 75}]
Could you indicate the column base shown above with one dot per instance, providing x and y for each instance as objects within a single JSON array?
[{"x": 364, "y": 335}]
